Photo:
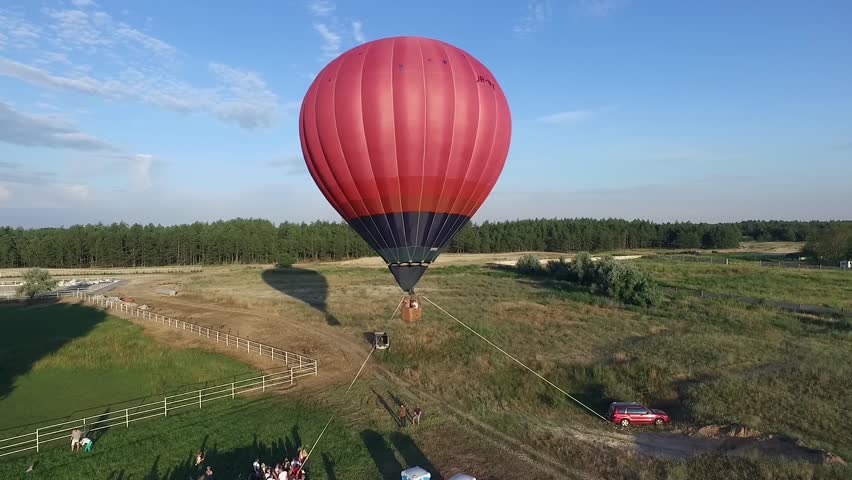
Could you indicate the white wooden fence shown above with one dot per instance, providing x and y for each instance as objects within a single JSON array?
[
  {"x": 124, "y": 417},
  {"x": 295, "y": 366},
  {"x": 303, "y": 365}
]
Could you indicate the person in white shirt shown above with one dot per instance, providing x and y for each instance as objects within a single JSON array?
[{"x": 76, "y": 435}]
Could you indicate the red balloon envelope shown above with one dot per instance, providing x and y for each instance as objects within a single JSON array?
[{"x": 405, "y": 137}]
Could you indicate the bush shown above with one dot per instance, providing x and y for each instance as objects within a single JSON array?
[
  {"x": 584, "y": 266},
  {"x": 529, "y": 264},
  {"x": 561, "y": 270},
  {"x": 624, "y": 282},
  {"x": 285, "y": 260}
]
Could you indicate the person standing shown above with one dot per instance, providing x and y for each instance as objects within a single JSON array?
[
  {"x": 76, "y": 435},
  {"x": 403, "y": 415}
]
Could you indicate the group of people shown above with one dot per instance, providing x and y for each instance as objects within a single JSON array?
[
  {"x": 203, "y": 473},
  {"x": 79, "y": 441},
  {"x": 403, "y": 415},
  {"x": 294, "y": 469}
]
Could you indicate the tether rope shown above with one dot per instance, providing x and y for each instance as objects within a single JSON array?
[
  {"x": 352, "y": 384},
  {"x": 514, "y": 359}
]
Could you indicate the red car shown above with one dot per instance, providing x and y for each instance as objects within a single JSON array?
[{"x": 625, "y": 413}]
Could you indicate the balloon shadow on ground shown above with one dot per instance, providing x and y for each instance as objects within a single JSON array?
[
  {"x": 35, "y": 330},
  {"x": 305, "y": 285}
]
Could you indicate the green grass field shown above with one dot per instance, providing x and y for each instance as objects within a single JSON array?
[
  {"x": 706, "y": 362},
  {"x": 829, "y": 288},
  {"x": 60, "y": 360},
  {"x": 231, "y": 433}
]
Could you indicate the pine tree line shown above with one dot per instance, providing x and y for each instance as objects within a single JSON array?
[{"x": 261, "y": 241}]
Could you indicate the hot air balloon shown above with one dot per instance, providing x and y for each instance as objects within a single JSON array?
[{"x": 405, "y": 137}]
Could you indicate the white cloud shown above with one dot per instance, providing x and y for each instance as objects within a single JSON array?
[
  {"x": 357, "y": 32},
  {"x": 83, "y": 3},
  {"x": 97, "y": 31},
  {"x": 242, "y": 97},
  {"x": 76, "y": 191},
  {"x": 237, "y": 97},
  {"x": 53, "y": 57},
  {"x": 537, "y": 13},
  {"x": 153, "y": 44},
  {"x": 140, "y": 171},
  {"x": 566, "y": 117},
  {"x": 44, "y": 131},
  {"x": 17, "y": 32},
  {"x": 76, "y": 30},
  {"x": 322, "y": 8},
  {"x": 599, "y": 8},
  {"x": 331, "y": 46},
  {"x": 292, "y": 165}
]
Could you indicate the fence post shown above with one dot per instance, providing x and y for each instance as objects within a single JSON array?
[
  {"x": 286, "y": 357},
  {"x": 165, "y": 407},
  {"x": 199, "y": 399},
  {"x": 232, "y": 391},
  {"x": 273, "y": 352},
  {"x": 127, "y": 417},
  {"x": 217, "y": 336},
  {"x": 37, "y": 440},
  {"x": 263, "y": 380}
]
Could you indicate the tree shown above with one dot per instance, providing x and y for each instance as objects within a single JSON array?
[
  {"x": 832, "y": 243},
  {"x": 36, "y": 281}
]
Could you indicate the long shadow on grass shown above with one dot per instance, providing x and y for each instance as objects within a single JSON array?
[
  {"x": 383, "y": 456},
  {"x": 32, "y": 332},
  {"x": 412, "y": 454},
  {"x": 305, "y": 285},
  {"x": 236, "y": 463}
]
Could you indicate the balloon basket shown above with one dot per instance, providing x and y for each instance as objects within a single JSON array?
[{"x": 411, "y": 310}]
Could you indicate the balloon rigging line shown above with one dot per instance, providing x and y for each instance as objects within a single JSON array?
[
  {"x": 352, "y": 384},
  {"x": 513, "y": 358}
]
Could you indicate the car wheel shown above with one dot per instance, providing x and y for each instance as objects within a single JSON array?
[
  {"x": 659, "y": 422},
  {"x": 625, "y": 422}
]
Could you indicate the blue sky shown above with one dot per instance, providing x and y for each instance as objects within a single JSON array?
[{"x": 167, "y": 112}]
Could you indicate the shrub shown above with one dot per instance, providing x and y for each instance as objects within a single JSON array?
[
  {"x": 529, "y": 264},
  {"x": 561, "y": 270},
  {"x": 623, "y": 282},
  {"x": 285, "y": 260},
  {"x": 584, "y": 267}
]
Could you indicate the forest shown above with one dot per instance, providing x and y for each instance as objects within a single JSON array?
[{"x": 261, "y": 241}]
